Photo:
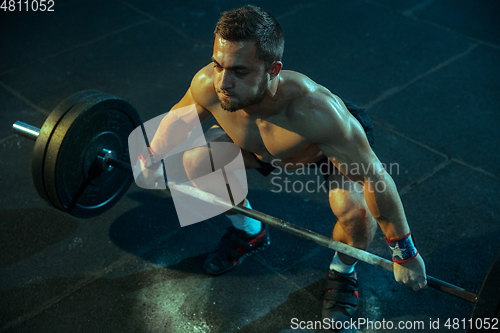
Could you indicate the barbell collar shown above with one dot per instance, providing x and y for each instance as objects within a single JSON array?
[{"x": 104, "y": 157}]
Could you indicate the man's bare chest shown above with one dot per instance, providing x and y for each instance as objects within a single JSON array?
[{"x": 270, "y": 138}]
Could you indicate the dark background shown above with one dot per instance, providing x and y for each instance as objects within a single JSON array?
[{"x": 427, "y": 70}]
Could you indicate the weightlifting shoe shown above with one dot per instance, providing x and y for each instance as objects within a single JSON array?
[
  {"x": 340, "y": 301},
  {"x": 234, "y": 247}
]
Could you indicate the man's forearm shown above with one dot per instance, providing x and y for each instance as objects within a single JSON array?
[
  {"x": 383, "y": 200},
  {"x": 174, "y": 128}
]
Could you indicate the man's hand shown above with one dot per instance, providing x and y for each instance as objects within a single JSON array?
[
  {"x": 148, "y": 178},
  {"x": 411, "y": 273}
]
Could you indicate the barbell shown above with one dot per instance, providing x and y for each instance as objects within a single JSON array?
[{"x": 81, "y": 165}]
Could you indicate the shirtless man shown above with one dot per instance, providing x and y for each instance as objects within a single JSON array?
[{"x": 283, "y": 117}]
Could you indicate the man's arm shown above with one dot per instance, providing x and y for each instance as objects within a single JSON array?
[
  {"x": 174, "y": 128},
  {"x": 340, "y": 137},
  {"x": 349, "y": 150},
  {"x": 176, "y": 125}
]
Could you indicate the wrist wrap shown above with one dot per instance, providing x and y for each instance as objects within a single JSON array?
[
  {"x": 402, "y": 248},
  {"x": 149, "y": 159}
]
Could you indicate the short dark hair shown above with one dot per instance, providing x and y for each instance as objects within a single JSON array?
[{"x": 256, "y": 24}]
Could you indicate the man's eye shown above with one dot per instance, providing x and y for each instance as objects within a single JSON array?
[{"x": 239, "y": 73}]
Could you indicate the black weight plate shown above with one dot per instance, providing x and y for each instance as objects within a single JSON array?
[
  {"x": 487, "y": 304},
  {"x": 46, "y": 132},
  {"x": 72, "y": 181}
]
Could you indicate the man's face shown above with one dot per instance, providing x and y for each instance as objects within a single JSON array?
[{"x": 240, "y": 78}]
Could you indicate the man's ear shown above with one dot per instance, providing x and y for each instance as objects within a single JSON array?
[{"x": 275, "y": 69}]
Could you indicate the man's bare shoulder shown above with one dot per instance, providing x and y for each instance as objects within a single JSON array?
[
  {"x": 314, "y": 109},
  {"x": 307, "y": 95},
  {"x": 202, "y": 88}
]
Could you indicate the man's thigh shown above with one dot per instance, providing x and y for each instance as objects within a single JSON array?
[{"x": 338, "y": 181}]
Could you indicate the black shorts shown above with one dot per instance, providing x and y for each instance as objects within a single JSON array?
[{"x": 325, "y": 165}]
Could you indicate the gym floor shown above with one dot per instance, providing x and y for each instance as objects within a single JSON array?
[{"x": 427, "y": 70}]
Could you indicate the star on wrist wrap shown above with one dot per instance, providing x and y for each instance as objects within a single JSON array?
[{"x": 402, "y": 248}]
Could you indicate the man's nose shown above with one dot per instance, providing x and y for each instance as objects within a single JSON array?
[{"x": 226, "y": 80}]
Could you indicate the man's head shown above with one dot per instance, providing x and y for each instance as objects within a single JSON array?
[
  {"x": 251, "y": 23},
  {"x": 247, "y": 55}
]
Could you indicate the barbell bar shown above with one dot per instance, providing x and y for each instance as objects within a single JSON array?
[
  {"x": 105, "y": 151},
  {"x": 106, "y": 159}
]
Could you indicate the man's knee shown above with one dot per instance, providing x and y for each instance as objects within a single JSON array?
[
  {"x": 197, "y": 162},
  {"x": 351, "y": 210}
]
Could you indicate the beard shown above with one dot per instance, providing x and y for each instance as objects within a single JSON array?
[{"x": 233, "y": 103}]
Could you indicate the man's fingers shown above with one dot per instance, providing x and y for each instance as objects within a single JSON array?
[
  {"x": 410, "y": 279},
  {"x": 423, "y": 284},
  {"x": 418, "y": 285}
]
